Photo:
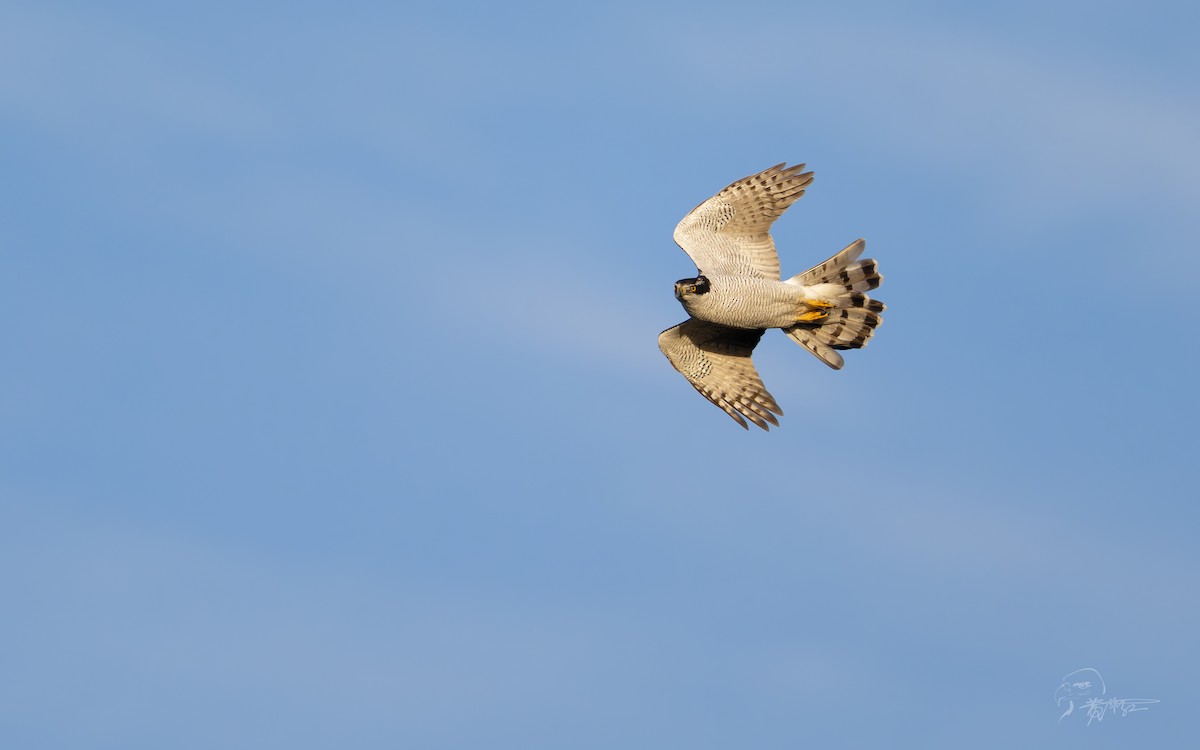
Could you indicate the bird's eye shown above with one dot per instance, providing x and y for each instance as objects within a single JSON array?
[{"x": 692, "y": 289}]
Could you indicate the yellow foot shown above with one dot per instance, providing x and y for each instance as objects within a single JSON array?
[{"x": 813, "y": 316}]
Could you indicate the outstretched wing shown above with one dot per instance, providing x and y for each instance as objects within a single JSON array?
[
  {"x": 728, "y": 234},
  {"x": 716, "y": 361}
]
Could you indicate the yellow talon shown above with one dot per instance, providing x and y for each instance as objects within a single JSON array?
[{"x": 817, "y": 310}]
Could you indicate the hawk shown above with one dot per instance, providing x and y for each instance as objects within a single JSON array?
[{"x": 737, "y": 295}]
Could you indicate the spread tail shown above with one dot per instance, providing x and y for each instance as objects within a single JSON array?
[{"x": 840, "y": 284}]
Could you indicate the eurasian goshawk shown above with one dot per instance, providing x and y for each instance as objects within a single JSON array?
[{"x": 738, "y": 294}]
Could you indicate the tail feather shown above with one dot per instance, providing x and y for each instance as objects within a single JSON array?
[
  {"x": 861, "y": 276},
  {"x": 842, "y": 281},
  {"x": 847, "y": 329},
  {"x": 840, "y": 260},
  {"x": 803, "y": 335}
]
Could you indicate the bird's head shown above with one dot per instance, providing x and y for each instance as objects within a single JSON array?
[{"x": 686, "y": 287}]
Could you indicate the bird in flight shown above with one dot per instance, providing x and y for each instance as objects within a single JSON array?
[{"x": 737, "y": 295}]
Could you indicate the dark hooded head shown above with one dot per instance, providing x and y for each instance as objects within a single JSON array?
[{"x": 685, "y": 287}]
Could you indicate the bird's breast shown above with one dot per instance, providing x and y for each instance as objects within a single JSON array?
[{"x": 745, "y": 302}]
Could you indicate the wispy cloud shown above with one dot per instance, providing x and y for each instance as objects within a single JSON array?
[
  {"x": 1048, "y": 132},
  {"x": 85, "y": 75}
]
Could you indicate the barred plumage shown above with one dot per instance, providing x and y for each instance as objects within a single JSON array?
[
  {"x": 844, "y": 279},
  {"x": 738, "y": 294},
  {"x": 716, "y": 361}
]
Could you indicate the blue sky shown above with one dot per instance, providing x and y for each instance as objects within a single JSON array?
[{"x": 333, "y": 414}]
